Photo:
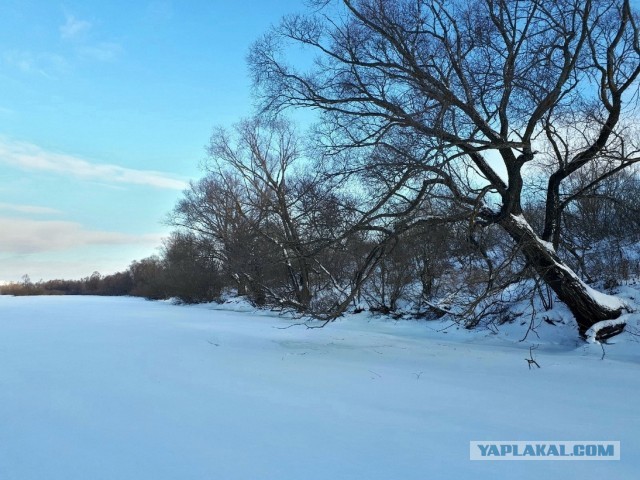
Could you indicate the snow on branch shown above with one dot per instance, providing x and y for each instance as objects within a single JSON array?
[{"x": 606, "y": 329}]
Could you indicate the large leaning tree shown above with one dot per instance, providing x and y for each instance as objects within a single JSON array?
[{"x": 471, "y": 94}]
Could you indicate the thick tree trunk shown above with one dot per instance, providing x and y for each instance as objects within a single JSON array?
[{"x": 587, "y": 305}]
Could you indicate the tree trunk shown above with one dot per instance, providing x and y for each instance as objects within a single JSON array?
[
  {"x": 304, "y": 295},
  {"x": 588, "y": 306}
]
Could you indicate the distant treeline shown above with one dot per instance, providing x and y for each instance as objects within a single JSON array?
[
  {"x": 111, "y": 285},
  {"x": 175, "y": 275}
]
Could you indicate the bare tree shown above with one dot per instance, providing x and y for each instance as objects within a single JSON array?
[
  {"x": 259, "y": 156},
  {"x": 191, "y": 268},
  {"x": 210, "y": 210},
  {"x": 269, "y": 214},
  {"x": 463, "y": 95}
]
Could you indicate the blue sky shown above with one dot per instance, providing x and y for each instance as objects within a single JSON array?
[{"x": 105, "y": 109}]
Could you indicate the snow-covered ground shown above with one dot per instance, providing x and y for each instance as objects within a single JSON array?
[{"x": 121, "y": 388}]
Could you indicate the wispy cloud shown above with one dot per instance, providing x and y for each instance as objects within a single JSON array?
[
  {"x": 27, "y": 156},
  {"x": 80, "y": 41},
  {"x": 74, "y": 28},
  {"x": 160, "y": 11},
  {"x": 23, "y": 236},
  {"x": 28, "y": 209},
  {"x": 43, "y": 63},
  {"x": 103, "y": 51},
  {"x": 23, "y": 61},
  {"x": 85, "y": 42}
]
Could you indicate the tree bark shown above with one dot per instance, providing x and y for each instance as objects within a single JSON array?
[{"x": 586, "y": 305}]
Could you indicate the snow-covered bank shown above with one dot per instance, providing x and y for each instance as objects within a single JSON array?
[{"x": 121, "y": 388}]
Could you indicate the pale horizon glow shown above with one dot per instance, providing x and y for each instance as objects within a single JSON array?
[{"x": 23, "y": 236}]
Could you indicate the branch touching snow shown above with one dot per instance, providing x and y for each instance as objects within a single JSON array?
[{"x": 606, "y": 329}]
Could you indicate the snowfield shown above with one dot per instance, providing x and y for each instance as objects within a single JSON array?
[{"x": 122, "y": 388}]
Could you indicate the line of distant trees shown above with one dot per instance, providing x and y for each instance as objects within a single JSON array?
[
  {"x": 181, "y": 273},
  {"x": 95, "y": 284}
]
